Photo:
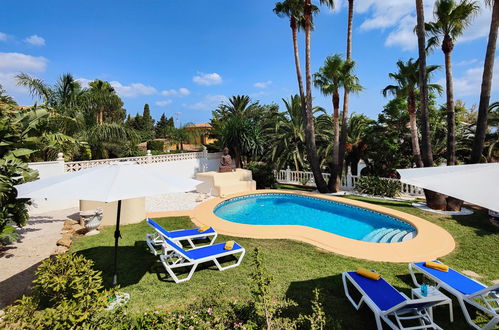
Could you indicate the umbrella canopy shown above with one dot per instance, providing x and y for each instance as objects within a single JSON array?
[
  {"x": 107, "y": 183},
  {"x": 476, "y": 183}
]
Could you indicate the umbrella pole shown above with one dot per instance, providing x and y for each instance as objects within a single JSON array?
[{"x": 117, "y": 235}]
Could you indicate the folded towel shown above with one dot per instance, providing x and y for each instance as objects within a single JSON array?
[
  {"x": 203, "y": 229},
  {"x": 369, "y": 274},
  {"x": 229, "y": 245},
  {"x": 437, "y": 266}
]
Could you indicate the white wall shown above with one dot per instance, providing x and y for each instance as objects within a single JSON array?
[{"x": 179, "y": 168}]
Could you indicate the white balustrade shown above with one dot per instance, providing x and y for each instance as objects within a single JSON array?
[{"x": 347, "y": 181}]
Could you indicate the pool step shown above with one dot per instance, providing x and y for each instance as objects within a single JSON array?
[
  {"x": 398, "y": 236},
  {"x": 386, "y": 238},
  {"x": 368, "y": 237},
  {"x": 380, "y": 234},
  {"x": 408, "y": 236}
]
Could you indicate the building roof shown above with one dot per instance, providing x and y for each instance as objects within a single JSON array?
[{"x": 200, "y": 125}]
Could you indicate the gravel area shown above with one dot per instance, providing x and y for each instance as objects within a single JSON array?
[
  {"x": 19, "y": 261},
  {"x": 173, "y": 202}
]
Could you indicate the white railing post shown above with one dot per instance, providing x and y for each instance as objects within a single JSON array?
[
  {"x": 60, "y": 157},
  {"x": 149, "y": 157},
  {"x": 288, "y": 174}
]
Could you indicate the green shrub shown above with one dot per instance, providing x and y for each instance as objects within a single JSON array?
[
  {"x": 67, "y": 292},
  {"x": 373, "y": 185},
  {"x": 155, "y": 145},
  {"x": 13, "y": 211},
  {"x": 263, "y": 174}
]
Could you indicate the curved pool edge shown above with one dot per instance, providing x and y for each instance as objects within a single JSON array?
[{"x": 431, "y": 242}]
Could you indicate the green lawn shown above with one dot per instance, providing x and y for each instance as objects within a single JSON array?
[{"x": 297, "y": 267}]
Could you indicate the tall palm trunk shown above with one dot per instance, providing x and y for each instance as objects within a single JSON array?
[
  {"x": 447, "y": 47},
  {"x": 434, "y": 200},
  {"x": 294, "y": 30},
  {"x": 488, "y": 67},
  {"x": 411, "y": 107},
  {"x": 346, "y": 97},
  {"x": 309, "y": 119},
  {"x": 334, "y": 183}
]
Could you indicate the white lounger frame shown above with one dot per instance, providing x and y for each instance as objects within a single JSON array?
[
  {"x": 483, "y": 295},
  {"x": 173, "y": 258},
  {"x": 400, "y": 313},
  {"x": 155, "y": 240}
]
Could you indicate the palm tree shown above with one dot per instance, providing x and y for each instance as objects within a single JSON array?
[
  {"x": 451, "y": 19},
  {"x": 287, "y": 136},
  {"x": 407, "y": 81},
  {"x": 344, "y": 115},
  {"x": 335, "y": 74},
  {"x": 308, "y": 115},
  {"x": 434, "y": 200},
  {"x": 293, "y": 9},
  {"x": 356, "y": 146},
  {"x": 488, "y": 68},
  {"x": 239, "y": 105}
]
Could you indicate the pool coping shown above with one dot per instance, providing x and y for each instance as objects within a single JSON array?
[{"x": 431, "y": 241}]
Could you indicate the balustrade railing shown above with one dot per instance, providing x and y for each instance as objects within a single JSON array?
[
  {"x": 148, "y": 159},
  {"x": 347, "y": 181}
]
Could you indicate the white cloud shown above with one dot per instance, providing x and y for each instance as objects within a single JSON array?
[
  {"x": 209, "y": 102},
  {"x": 35, "y": 40},
  {"x": 3, "y": 36},
  {"x": 13, "y": 62},
  {"x": 399, "y": 18},
  {"x": 132, "y": 90},
  {"x": 469, "y": 84},
  {"x": 176, "y": 92},
  {"x": 466, "y": 62},
  {"x": 8, "y": 82},
  {"x": 163, "y": 103},
  {"x": 207, "y": 79},
  {"x": 263, "y": 84}
]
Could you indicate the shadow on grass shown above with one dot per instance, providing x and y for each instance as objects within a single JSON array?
[
  {"x": 335, "y": 304},
  {"x": 133, "y": 262}
]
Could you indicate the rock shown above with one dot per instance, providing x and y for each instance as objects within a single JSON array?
[
  {"x": 495, "y": 281},
  {"x": 471, "y": 273},
  {"x": 60, "y": 249},
  {"x": 65, "y": 240},
  {"x": 77, "y": 227}
]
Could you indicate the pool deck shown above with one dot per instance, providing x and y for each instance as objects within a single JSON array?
[{"x": 431, "y": 241}]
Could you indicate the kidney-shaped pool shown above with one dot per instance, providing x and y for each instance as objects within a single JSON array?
[{"x": 337, "y": 218}]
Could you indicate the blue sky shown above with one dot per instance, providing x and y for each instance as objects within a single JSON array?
[{"x": 188, "y": 56}]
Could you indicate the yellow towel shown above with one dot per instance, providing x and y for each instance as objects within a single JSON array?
[
  {"x": 437, "y": 266},
  {"x": 369, "y": 274},
  {"x": 203, "y": 229},
  {"x": 229, "y": 245}
]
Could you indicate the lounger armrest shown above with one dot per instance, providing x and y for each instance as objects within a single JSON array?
[
  {"x": 421, "y": 303},
  {"x": 488, "y": 289}
]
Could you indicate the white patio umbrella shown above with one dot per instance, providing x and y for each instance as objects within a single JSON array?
[
  {"x": 107, "y": 183},
  {"x": 475, "y": 183}
]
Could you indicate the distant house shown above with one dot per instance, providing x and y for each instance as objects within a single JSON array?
[{"x": 202, "y": 131}]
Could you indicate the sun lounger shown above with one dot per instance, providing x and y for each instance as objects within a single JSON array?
[
  {"x": 466, "y": 291},
  {"x": 156, "y": 239},
  {"x": 390, "y": 305},
  {"x": 177, "y": 257}
]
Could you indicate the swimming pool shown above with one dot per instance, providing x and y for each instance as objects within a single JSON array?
[{"x": 333, "y": 217}]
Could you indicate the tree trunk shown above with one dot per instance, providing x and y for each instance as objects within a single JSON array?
[
  {"x": 346, "y": 97},
  {"x": 297, "y": 61},
  {"x": 434, "y": 200},
  {"x": 354, "y": 166},
  {"x": 335, "y": 170},
  {"x": 488, "y": 68},
  {"x": 451, "y": 115},
  {"x": 426, "y": 152},
  {"x": 309, "y": 119},
  {"x": 416, "y": 152}
]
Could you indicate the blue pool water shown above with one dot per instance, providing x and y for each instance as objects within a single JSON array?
[{"x": 337, "y": 218}]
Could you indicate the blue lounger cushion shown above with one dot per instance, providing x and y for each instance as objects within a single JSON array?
[
  {"x": 205, "y": 251},
  {"x": 179, "y": 233},
  {"x": 453, "y": 279},
  {"x": 380, "y": 292}
]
